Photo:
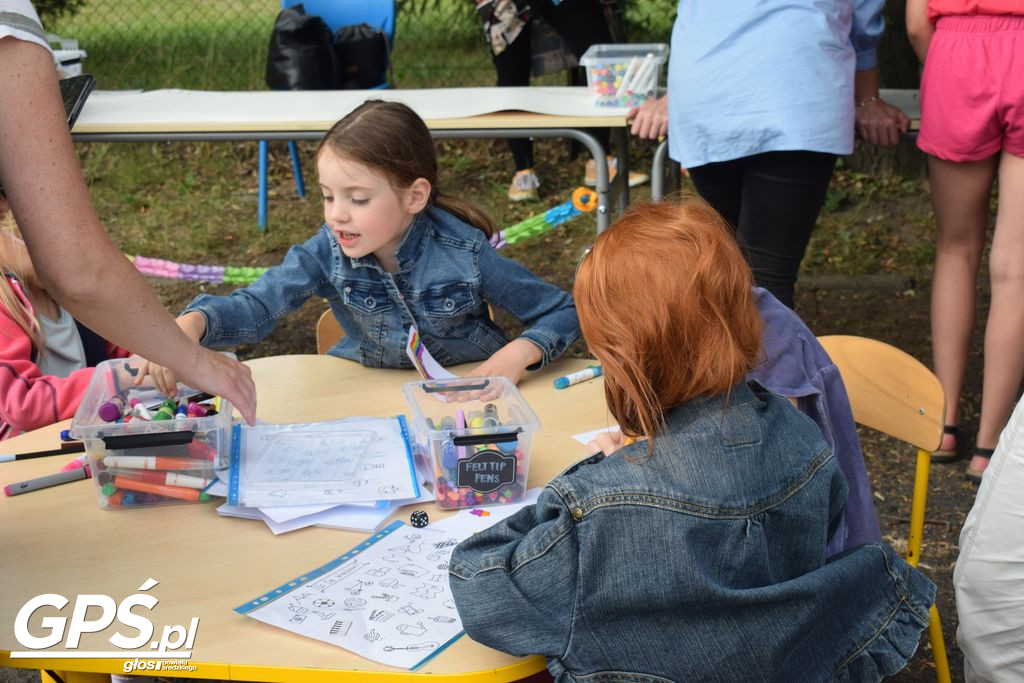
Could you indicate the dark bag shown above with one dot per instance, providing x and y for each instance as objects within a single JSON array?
[
  {"x": 362, "y": 55},
  {"x": 301, "y": 56}
]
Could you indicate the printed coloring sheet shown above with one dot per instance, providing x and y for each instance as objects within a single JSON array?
[{"x": 387, "y": 599}]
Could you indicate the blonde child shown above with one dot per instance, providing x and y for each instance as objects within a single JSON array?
[
  {"x": 972, "y": 128},
  {"x": 699, "y": 551},
  {"x": 46, "y": 357},
  {"x": 394, "y": 252}
]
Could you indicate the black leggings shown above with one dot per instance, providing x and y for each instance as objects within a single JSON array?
[
  {"x": 580, "y": 24},
  {"x": 772, "y": 200}
]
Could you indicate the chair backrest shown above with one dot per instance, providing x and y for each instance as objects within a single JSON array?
[
  {"x": 328, "y": 332},
  {"x": 889, "y": 390},
  {"x": 337, "y": 13}
]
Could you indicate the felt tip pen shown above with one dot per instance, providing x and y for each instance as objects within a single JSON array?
[
  {"x": 65, "y": 449},
  {"x": 111, "y": 410},
  {"x": 47, "y": 481},
  {"x": 179, "y": 492},
  {"x": 155, "y": 462},
  {"x": 163, "y": 478},
  {"x": 589, "y": 372}
]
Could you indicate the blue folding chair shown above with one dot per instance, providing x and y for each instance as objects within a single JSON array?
[{"x": 335, "y": 13}]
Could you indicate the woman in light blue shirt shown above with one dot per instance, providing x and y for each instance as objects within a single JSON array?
[{"x": 764, "y": 95}]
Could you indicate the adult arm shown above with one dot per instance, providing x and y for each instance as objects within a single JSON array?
[
  {"x": 877, "y": 121},
  {"x": 650, "y": 119},
  {"x": 74, "y": 257},
  {"x": 919, "y": 28}
]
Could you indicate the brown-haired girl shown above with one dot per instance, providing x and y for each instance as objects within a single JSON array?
[
  {"x": 395, "y": 252},
  {"x": 699, "y": 551}
]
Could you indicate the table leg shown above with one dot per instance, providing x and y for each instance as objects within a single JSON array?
[
  {"x": 620, "y": 186},
  {"x": 658, "y": 171}
]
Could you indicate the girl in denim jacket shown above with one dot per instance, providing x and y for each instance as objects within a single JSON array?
[
  {"x": 395, "y": 252},
  {"x": 697, "y": 553}
]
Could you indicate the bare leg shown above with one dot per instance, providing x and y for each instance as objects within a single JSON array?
[
  {"x": 960, "y": 193},
  {"x": 1004, "y": 332}
]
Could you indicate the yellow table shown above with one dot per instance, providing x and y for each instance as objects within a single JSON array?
[{"x": 59, "y": 541}]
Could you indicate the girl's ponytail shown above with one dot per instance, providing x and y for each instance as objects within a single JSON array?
[{"x": 466, "y": 211}]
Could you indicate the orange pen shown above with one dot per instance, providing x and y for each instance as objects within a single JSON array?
[{"x": 179, "y": 492}]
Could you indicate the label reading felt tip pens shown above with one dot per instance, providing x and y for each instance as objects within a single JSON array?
[{"x": 577, "y": 377}]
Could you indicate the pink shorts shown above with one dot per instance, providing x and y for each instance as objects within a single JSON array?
[{"x": 972, "y": 89}]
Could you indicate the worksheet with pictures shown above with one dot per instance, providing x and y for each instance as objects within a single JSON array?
[{"x": 388, "y": 599}]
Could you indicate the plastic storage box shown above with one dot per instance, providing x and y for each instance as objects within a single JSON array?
[
  {"x": 472, "y": 435},
  {"x": 148, "y": 462},
  {"x": 624, "y": 75}
]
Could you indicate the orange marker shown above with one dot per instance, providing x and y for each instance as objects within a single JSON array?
[
  {"x": 168, "y": 478},
  {"x": 179, "y": 492},
  {"x": 155, "y": 462}
]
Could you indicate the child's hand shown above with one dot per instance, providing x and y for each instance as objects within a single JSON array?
[
  {"x": 607, "y": 442},
  {"x": 162, "y": 378},
  {"x": 509, "y": 361}
]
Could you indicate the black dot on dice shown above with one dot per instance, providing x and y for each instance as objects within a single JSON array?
[{"x": 419, "y": 519}]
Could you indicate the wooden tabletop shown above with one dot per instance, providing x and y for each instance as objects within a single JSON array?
[{"x": 58, "y": 540}]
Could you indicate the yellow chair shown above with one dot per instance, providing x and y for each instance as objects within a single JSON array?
[
  {"x": 328, "y": 332},
  {"x": 892, "y": 392}
]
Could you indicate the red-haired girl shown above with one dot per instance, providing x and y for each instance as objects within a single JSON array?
[{"x": 699, "y": 551}]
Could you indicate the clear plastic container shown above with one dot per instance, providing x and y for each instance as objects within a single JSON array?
[
  {"x": 624, "y": 75},
  {"x": 142, "y": 462},
  {"x": 473, "y": 436}
]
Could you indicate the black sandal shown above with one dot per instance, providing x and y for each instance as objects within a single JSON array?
[
  {"x": 951, "y": 455},
  {"x": 974, "y": 475}
]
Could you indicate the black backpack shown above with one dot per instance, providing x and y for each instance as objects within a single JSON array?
[
  {"x": 301, "y": 54},
  {"x": 361, "y": 52}
]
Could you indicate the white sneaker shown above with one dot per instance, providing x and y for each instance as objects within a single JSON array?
[{"x": 524, "y": 186}]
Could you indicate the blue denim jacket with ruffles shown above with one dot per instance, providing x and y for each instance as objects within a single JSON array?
[
  {"x": 705, "y": 562},
  {"x": 447, "y": 275}
]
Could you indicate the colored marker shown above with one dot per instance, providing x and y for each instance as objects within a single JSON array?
[
  {"x": 163, "y": 478},
  {"x": 47, "y": 481},
  {"x": 111, "y": 410},
  {"x": 178, "y": 492},
  {"x": 491, "y": 416},
  {"x": 155, "y": 462},
  {"x": 589, "y": 372},
  {"x": 201, "y": 450},
  {"x": 65, "y": 449}
]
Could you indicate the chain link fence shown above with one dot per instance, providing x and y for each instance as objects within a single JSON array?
[{"x": 222, "y": 44}]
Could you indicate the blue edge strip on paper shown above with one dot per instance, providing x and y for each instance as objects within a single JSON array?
[{"x": 284, "y": 589}]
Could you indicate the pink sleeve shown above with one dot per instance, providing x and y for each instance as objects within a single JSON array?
[{"x": 29, "y": 400}]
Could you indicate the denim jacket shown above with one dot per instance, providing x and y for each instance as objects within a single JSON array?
[
  {"x": 447, "y": 274},
  {"x": 706, "y": 562}
]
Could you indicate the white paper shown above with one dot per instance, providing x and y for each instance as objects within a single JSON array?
[
  {"x": 390, "y": 602},
  {"x": 240, "y": 511},
  {"x": 587, "y": 437},
  {"x": 471, "y": 521}
]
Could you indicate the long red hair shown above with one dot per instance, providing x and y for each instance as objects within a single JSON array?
[{"x": 665, "y": 303}]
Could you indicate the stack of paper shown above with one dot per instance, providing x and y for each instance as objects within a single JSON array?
[{"x": 346, "y": 474}]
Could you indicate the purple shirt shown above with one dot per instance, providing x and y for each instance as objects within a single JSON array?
[{"x": 796, "y": 365}]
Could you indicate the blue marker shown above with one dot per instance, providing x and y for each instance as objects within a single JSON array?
[{"x": 589, "y": 372}]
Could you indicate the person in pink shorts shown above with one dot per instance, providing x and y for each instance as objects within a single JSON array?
[{"x": 972, "y": 128}]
